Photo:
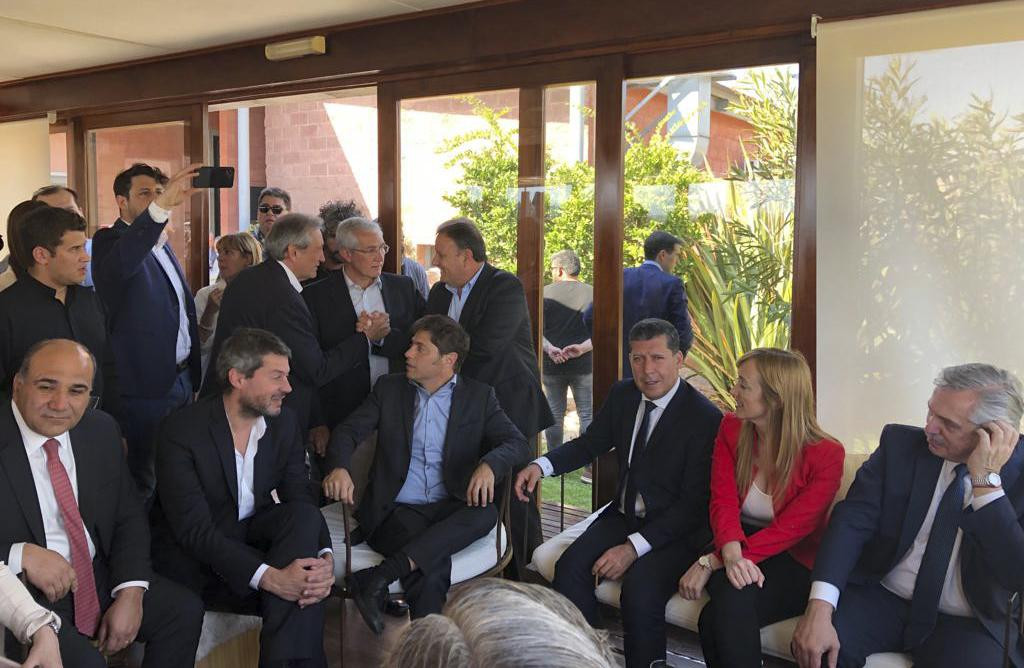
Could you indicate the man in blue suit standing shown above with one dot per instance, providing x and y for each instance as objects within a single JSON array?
[
  {"x": 926, "y": 549},
  {"x": 651, "y": 291},
  {"x": 150, "y": 311}
]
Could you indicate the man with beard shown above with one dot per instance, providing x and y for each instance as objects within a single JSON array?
[{"x": 218, "y": 528}]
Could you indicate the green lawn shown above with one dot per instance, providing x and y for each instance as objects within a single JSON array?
[{"x": 577, "y": 494}]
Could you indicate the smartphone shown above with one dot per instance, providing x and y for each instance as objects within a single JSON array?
[{"x": 214, "y": 177}]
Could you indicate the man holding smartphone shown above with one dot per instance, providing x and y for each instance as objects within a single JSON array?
[{"x": 925, "y": 550}]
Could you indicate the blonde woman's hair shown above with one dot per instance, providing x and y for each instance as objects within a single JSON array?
[
  {"x": 244, "y": 243},
  {"x": 496, "y": 623},
  {"x": 787, "y": 391}
]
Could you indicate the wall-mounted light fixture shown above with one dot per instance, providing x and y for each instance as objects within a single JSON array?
[{"x": 296, "y": 48}]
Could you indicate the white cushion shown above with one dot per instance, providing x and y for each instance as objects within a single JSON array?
[
  {"x": 478, "y": 557},
  {"x": 220, "y": 627},
  {"x": 679, "y": 611}
]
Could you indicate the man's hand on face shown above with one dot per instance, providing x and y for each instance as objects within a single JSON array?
[{"x": 996, "y": 441}]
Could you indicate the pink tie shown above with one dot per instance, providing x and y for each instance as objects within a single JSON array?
[{"x": 87, "y": 604}]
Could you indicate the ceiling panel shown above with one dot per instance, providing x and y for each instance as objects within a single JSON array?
[{"x": 46, "y": 36}]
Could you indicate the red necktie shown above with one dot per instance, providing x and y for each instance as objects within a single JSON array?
[{"x": 87, "y": 604}]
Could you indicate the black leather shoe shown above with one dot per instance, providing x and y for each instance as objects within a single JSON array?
[
  {"x": 370, "y": 592},
  {"x": 396, "y": 607}
]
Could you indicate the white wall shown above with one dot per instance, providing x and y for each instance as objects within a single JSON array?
[{"x": 25, "y": 147}]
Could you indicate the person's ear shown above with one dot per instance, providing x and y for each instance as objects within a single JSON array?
[{"x": 41, "y": 256}]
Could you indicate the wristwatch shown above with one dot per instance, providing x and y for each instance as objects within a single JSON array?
[
  {"x": 705, "y": 562},
  {"x": 990, "y": 479}
]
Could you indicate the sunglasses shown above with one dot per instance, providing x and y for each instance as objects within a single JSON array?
[{"x": 266, "y": 208}]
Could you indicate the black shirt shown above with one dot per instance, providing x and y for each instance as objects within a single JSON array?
[
  {"x": 564, "y": 303},
  {"x": 30, "y": 312}
]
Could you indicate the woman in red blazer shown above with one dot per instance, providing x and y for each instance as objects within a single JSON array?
[{"x": 774, "y": 474}]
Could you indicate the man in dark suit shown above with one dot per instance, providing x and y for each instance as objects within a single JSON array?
[
  {"x": 268, "y": 296},
  {"x": 652, "y": 291},
  {"x": 73, "y": 522},
  {"x": 227, "y": 539},
  {"x": 490, "y": 305},
  {"x": 926, "y": 549},
  {"x": 151, "y": 315},
  {"x": 355, "y": 300},
  {"x": 49, "y": 302},
  {"x": 662, "y": 430},
  {"x": 431, "y": 491}
]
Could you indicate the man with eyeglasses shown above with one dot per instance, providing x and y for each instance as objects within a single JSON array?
[
  {"x": 273, "y": 203},
  {"x": 362, "y": 300}
]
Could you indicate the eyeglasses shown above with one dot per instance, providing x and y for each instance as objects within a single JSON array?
[
  {"x": 277, "y": 209},
  {"x": 376, "y": 250}
]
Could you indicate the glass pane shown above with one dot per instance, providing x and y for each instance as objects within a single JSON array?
[
  {"x": 318, "y": 148},
  {"x": 569, "y": 276},
  {"x": 112, "y": 150},
  {"x": 711, "y": 159},
  {"x": 460, "y": 157}
]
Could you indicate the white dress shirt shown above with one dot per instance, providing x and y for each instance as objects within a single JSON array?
[
  {"x": 902, "y": 578},
  {"x": 292, "y": 278},
  {"x": 640, "y": 543},
  {"x": 183, "y": 346},
  {"x": 53, "y": 523},
  {"x": 461, "y": 295},
  {"x": 245, "y": 476},
  {"x": 369, "y": 299}
]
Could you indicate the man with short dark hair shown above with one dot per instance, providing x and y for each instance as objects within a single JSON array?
[
  {"x": 491, "y": 306},
  {"x": 268, "y": 296},
  {"x": 432, "y": 486},
  {"x": 72, "y": 522},
  {"x": 151, "y": 315},
  {"x": 221, "y": 533},
  {"x": 662, "y": 430},
  {"x": 271, "y": 205},
  {"x": 63, "y": 197},
  {"x": 48, "y": 302},
  {"x": 652, "y": 291}
]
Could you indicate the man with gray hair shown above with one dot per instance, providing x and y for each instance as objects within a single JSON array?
[
  {"x": 926, "y": 549},
  {"x": 361, "y": 301},
  {"x": 268, "y": 297},
  {"x": 220, "y": 532}
]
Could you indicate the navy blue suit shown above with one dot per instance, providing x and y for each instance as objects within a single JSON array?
[
  {"x": 142, "y": 317},
  {"x": 649, "y": 292},
  {"x": 874, "y": 527}
]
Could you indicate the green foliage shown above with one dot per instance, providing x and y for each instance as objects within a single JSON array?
[{"x": 768, "y": 100}]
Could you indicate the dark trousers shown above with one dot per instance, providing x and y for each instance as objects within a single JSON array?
[
  {"x": 871, "y": 619},
  {"x": 282, "y": 533},
  {"x": 139, "y": 418},
  {"x": 730, "y": 624},
  {"x": 430, "y": 534},
  {"x": 555, "y": 387},
  {"x": 172, "y": 619},
  {"x": 646, "y": 586}
]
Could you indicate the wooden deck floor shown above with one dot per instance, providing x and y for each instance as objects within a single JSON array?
[{"x": 555, "y": 519}]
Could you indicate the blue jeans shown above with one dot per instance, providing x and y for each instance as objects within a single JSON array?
[{"x": 582, "y": 393}]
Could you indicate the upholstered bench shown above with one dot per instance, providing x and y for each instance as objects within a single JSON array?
[{"x": 679, "y": 612}]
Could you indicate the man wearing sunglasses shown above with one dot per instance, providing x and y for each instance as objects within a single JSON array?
[{"x": 273, "y": 203}]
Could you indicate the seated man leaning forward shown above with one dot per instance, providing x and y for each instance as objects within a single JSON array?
[
  {"x": 442, "y": 441},
  {"x": 925, "y": 550},
  {"x": 662, "y": 430},
  {"x": 219, "y": 530}
]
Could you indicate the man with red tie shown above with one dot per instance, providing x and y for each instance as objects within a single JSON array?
[{"x": 73, "y": 522}]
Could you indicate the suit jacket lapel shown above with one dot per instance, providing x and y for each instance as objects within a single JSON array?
[
  {"x": 225, "y": 447},
  {"x": 668, "y": 418},
  {"x": 15, "y": 466},
  {"x": 86, "y": 476},
  {"x": 476, "y": 295},
  {"x": 266, "y": 455},
  {"x": 408, "y": 411},
  {"x": 439, "y": 299},
  {"x": 926, "y": 474},
  {"x": 459, "y": 399}
]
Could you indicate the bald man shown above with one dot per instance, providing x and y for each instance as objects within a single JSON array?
[{"x": 73, "y": 522}]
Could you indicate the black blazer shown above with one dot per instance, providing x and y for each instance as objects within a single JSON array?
[
  {"x": 30, "y": 313},
  {"x": 875, "y": 525},
  {"x": 674, "y": 472},
  {"x": 142, "y": 309},
  {"x": 501, "y": 351},
  {"x": 478, "y": 431},
  {"x": 262, "y": 297},
  {"x": 197, "y": 529},
  {"x": 107, "y": 499},
  {"x": 334, "y": 322}
]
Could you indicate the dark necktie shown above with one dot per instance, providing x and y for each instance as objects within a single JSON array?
[
  {"x": 931, "y": 576},
  {"x": 639, "y": 444},
  {"x": 87, "y": 605}
]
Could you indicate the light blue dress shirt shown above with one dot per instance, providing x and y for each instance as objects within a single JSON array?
[
  {"x": 460, "y": 295},
  {"x": 424, "y": 482}
]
